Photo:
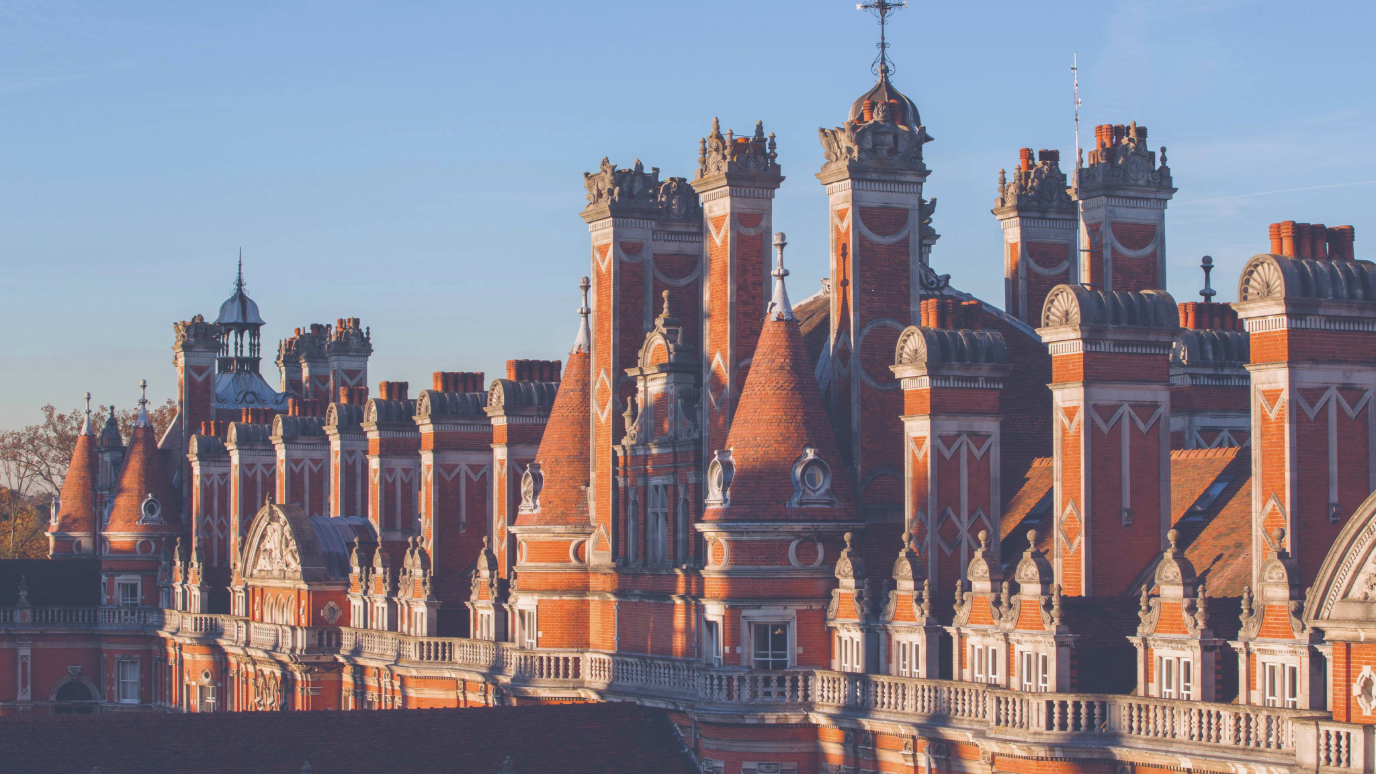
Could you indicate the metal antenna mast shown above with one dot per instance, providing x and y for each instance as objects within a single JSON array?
[
  {"x": 1075, "y": 76},
  {"x": 881, "y": 10},
  {"x": 1079, "y": 159}
]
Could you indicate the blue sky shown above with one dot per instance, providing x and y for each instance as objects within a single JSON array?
[{"x": 419, "y": 165}]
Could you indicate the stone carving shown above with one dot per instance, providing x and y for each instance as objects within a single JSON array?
[
  {"x": 722, "y": 154},
  {"x": 330, "y": 612},
  {"x": 1121, "y": 158},
  {"x": 1061, "y": 308},
  {"x": 532, "y": 481},
  {"x": 196, "y": 332},
  {"x": 630, "y": 419},
  {"x": 1041, "y": 185},
  {"x": 277, "y": 556},
  {"x": 811, "y": 482},
  {"x": 1261, "y": 279},
  {"x": 612, "y": 186},
  {"x": 880, "y": 144},
  {"x": 720, "y": 471},
  {"x": 848, "y": 565},
  {"x": 677, "y": 200}
]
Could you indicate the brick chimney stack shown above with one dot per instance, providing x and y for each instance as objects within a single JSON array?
[
  {"x": 1311, "y": 321},
  {"x": 881, "y": 236},
  {"x": 455, "y": 505},
  {"x": 951, "y": 380},
  {"x": 736, "y": 178},
  {"x": 646, "y": 233},
  {"x": 1122, "y": 193},
  {"x": 1039, "y": 221},
  {"x": 1110, "y": 356}
]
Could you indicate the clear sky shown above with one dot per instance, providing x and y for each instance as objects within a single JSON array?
[{"x": 419, "y": 165}]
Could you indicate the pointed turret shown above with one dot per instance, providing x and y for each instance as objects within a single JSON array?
[
  {"x": 73, "y": 528},
  {"x": 553, "y": 488},
  {"x": 143, "y": 501},
  {"x": 781, "y": 460}
]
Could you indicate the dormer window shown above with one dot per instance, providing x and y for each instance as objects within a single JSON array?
[
  {"x": 811, "y": 482},
  {"x": 150, "y": 512},
  {"x": 719, "y": 474}
]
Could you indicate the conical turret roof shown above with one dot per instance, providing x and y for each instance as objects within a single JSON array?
[
  {"x": 77, "y": 507},
  {"x": 554, "y": 490},
  {"x": 785, "y": 463},
  {"x": 143, "y": 499}
]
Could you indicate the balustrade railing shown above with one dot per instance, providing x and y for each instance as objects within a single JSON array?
[{"x": 1304, "y": 737}]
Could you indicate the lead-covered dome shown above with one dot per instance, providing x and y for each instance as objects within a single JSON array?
[{"x": 901, "y": 110}]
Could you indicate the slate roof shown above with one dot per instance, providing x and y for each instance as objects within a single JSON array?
[
  {"x": 52, "y": 582},
  {"x": 562, "y": 739}
]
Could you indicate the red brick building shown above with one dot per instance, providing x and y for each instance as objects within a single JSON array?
[{"x": 890, "y": 527}]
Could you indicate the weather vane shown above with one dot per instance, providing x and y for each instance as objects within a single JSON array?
[{"x": 882, "y": 9}]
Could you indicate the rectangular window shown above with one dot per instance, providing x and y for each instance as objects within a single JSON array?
[
  {"x": 1044, "y": 673},
  {"x": 530, "y": 635},
  {"x": 711, "y": 642},
  {"x": 207, "y": 698},
  {"x": 993, "y": 670},
  {"x": 128, "y": 673},
  {"x": 1167, "y": 667},
  {"x": 1292, "y": 687},
  {"x": 1027, "y": 676},
  {"x": 658, "y": 518},
  {"x": 1186, "y": 679},
  {"x": 906, "y": 660},
  {"x": 128, "y": 593},
  {"x": 770, "y": 645}
]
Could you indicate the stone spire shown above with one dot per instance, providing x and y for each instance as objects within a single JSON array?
[
  {"x": 583, "y": 342},
  {"x": 779, "y": 307}
]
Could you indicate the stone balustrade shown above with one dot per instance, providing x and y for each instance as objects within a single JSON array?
[{"x": 1262, "y": 735}]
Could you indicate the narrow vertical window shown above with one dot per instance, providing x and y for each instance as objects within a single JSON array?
[
  {"x": 1044, "y": 676},
  {"x": 1292, "y": 687},
  {"x": 128, "y": 675}
]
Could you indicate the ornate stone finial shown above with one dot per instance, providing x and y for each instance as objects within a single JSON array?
[
  {"x": 23, "y": 591},
  {"x": 1006, "y": 595},
  {"x": 716, "y": 127},
  {"x": 142, "y": 420},
  {"x": 1246, "y": 604},
  {"x": 86, "y": 424},
  {"x": 1144, "y": 604},
  {"x": 779, "y": 306},
  {"x": 702, "y": 152},
  {"x": 984, "y": 538},
  {"x": 1163, "y": 155},
  {"x": 1201, "y": 616},
  {"x": 773, "y": 154},
  {"x": 583, "y": 342},
  {"x": 1171, "y": 537},
  {"x": 665, "y": 296},
  {"x": 1278, "y": 535},
  {"x": 759, "y": 131},
  {"x": 1056, "y": 605},
  {"x": 927, "y": 597},
  {"x": 1207, "y": 264},
  {"x": 1003, "y": 181},
  {"x": 1031, "y": 538}
]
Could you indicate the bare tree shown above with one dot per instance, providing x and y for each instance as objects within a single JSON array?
[{"x": 34, "y": 460}]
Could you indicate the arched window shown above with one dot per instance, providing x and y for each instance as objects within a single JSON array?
[{"x": 74, "y": 698}]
